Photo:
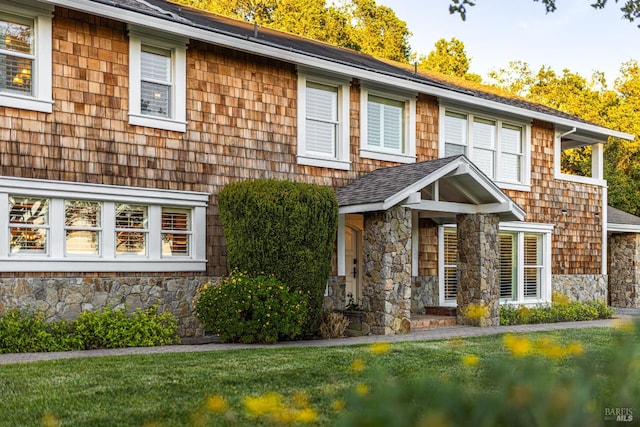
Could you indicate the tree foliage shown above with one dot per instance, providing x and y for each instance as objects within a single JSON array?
[
  {"x": 630, "y": 8},
  {"x": 449, "y": 57},
  {"x": 361, "y": 25}
]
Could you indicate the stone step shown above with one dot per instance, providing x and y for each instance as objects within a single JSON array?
[{"x": 429, "y": 321}]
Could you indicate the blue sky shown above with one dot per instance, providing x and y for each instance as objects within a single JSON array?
[{"x": 575, "y": 36}]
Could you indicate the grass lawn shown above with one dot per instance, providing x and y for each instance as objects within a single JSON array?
[{"x": 171, "y": 389}]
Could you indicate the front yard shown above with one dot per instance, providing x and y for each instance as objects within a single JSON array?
[{"x": 211, "y": 388}]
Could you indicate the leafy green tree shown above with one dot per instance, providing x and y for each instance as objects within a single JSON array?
[
  {"x": 630, "y": 8},
  {"x": 449, "y": 57},
  {"x": 361, "y": 25}
]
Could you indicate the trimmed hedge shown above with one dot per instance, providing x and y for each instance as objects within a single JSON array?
[
  {"x": 285, "y": 229},
  {"x": 555, "y": 312}
]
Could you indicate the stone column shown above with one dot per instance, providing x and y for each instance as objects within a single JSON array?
[
  {"x": 387, "y": 271},
  {"x": 478, "y": 270},
  {"x": 624, "y": 270}
]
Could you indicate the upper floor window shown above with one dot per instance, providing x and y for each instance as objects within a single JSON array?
[
  {"x": 157, "y": 86},
  {"x": 498, "y": 148},
  {"x": 65, "y": 227},
  {"x": 323, "y": 122},
  {"x": 388, "y": 126},
  {"x": 25, "y": 57}
]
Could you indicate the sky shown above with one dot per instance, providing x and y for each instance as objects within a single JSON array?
[{"x": 575, "y": 36}]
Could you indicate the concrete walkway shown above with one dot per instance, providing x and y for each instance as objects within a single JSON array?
[{"x": 419, "y": 335}]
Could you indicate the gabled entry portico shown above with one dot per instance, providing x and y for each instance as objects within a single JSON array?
[{"x": 391, "y": 202}]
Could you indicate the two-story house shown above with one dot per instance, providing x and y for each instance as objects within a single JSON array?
[{"x": 121, "y": 120}]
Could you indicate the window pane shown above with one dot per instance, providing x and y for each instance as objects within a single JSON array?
[
  {"x": 322, "y": 102},
  {"x": 175, "y": 243},
  {"x": 26, "y": 210},
  {"x": 16, "y": 36},
  {"x": 85, "y": 218},
  {"x": 131, "y": 217},
  {"x": 385, "y": 123},
  {"x": 453, "y": 150},
  {"x": 15, "y": 74},
  {"x": 532, "y": 282},
  {"x": 450, "y": 264},
  {"x": 455, "y": 132},
  {"x": 507, "y": 266},
  {"x": 510, "y": 167},
  {"x": 82, "y": 242},
  {"x": 484, "y": 160},
  {"x": 155, "y": 99},
  {"x": 511, "y": 139},
  {"x": 28, "y": 240},
  {"x": 80, "y": 213},
  {"x": 176, "y": 219},
  {"x": 156, "y": 65},
  {"x": 532, "y": 249},
  {"x": 450, "y": 283},
  {"x": 321, "y": 137},
  {"x": 484, "y": 133}
]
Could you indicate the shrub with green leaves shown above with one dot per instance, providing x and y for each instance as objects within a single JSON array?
[
  {"x": 282, "y": 228},
  {"x": 247, "y": 309},
  {"x": 555, "y": 312},
  {"x": 26, "y": 331}
]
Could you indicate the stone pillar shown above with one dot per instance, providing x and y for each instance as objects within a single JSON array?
[
  {"x": 386, "y": 293},
  {"x": 624, "y": 270},
  {"x": 478, "y": 270}
]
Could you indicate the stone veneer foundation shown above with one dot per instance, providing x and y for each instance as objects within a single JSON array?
[
  {"x": 424, "y": 293},
  {"x": 65, "y": 298},
  {"x": 580, "y": 287},
  {"x": 478, "y": 269},
  {"x": 386, "y": 290}
]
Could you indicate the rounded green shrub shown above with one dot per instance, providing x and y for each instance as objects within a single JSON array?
[
  {"x": 247, "y": 309},
  {"x": 283, "y": 228}
]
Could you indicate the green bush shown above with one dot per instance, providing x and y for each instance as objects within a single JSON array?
[
  {"x": 251, "y": 310},
  {"x": 111, "y": 328},
  {"x": 282, "y": 228},
  {"x": 555, "y": 312},
  {"x": 27, "y": 332}
]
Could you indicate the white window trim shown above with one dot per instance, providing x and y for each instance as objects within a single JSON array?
[
  {"x": 545, "y": 230},
  {"x": 178, "y": 47},
  {"x": 41, "y": 100},
  {"x": 56, "y": 261},
  {"x": 409, "y": 154},
  {"x": 597, "y": 165},
  {"x": 525, "y": 185},
  {"x": 341, "y": 160}
]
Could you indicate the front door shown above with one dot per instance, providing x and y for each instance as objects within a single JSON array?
[{"x": 353, "y": 292}]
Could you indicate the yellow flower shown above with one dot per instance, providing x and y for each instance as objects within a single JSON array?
[
  {"x": 575, "y": 349},
  {"x": 216, "y": 403},
  {"x": 269, "y": 403},
  {"x": 357, "y": 365},
  {"x": 623, "y": 325},
  {"x": 380, "y": 347},
  {"x": 519, "y": 347},
  {"x": 338, "y": 405},
  {"x": 306, "y": 415},
  {"x": 362, "y": 389},
  {"x": 50, "y": 420},
  {"x": 470, "y": 360}
]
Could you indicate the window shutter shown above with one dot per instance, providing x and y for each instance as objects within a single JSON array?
[
  {"x": 532, "y": 265},
  {"x": 450, "y": 264},
  {"x": 507, "y": 266},
  {"x": 322, "y": 119}
]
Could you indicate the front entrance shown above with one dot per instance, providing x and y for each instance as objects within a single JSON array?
[{"x": 352, "y": 263}]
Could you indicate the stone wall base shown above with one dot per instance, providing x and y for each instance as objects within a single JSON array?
[
  {"x": 424, "y": 293},
  {"x": 65, "y": 298},
  {"x": 580, "y": 287},
  {"x": 336, "y": 293}
]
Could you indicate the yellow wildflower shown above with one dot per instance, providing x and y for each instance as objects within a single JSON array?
[
  {"x": 362, "y": 389},
  {"x": 575, "y": 349},
  {"x": 357, "y": 365},
  {"x": 470, "y": 360},
  {"x": 216, "y": 403},
  {"x": 50, "y": 420},
  {"x": 269, "y": 403},
  {"x": 519, "y": 347},
  {"x": 380, "y": 347},
  {"x": 338, "y": 405},
  {"x": 623, "y": 325},
  {"x": 306, "y": 415}
]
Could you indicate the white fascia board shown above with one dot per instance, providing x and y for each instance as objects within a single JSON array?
[
  {"x": 280, "y": 53},
  {"x": 365, "y": 207},
  {"x": 462, "y": 208},
  {"x": 98, "y": 192},
  {"x": 623, "y": 228},
  {"x": 100, "y": 265},
  {"x": 526, "y": 226}
]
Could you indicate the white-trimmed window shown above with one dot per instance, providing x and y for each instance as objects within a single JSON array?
[
  {"x": 497, "y": 147},
  {"x": 25, "y": 57},
  {"x": 157, "y": 80},
  {"x": 69, "y": 227},
  {"x": 387, "y": 126},
  {"x": 525, "y": 263},
  {"x": 323, "y": 122}
]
